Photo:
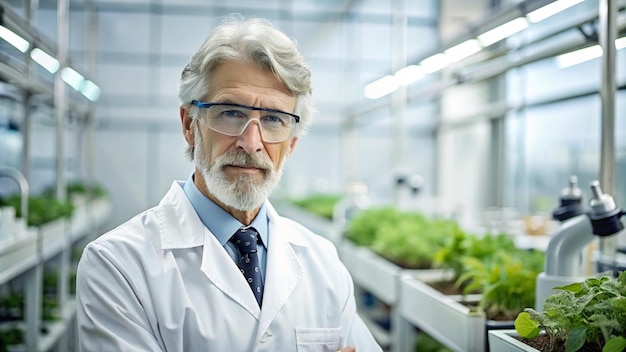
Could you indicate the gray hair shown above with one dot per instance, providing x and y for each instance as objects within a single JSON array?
[{"x": 254, "y": 40}]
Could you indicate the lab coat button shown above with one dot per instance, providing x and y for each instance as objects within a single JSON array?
[{"x": 266, "y": 337}]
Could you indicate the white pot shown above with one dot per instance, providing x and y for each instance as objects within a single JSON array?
[{"x": 505, "y": 341}]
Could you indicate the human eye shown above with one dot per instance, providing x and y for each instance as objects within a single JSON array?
[
  {"x": 229, "y": 112},
  {"x": 273, "y": 119},
  {"x": 277, "y": 120}
]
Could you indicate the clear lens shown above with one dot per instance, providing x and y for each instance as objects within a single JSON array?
[{"x": 232, "y": 120}]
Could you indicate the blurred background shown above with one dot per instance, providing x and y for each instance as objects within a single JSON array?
[
  {"x": 501, "y": 124},
  {"x": 480, "y": 112}
]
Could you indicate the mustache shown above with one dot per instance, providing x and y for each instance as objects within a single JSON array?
[{"x": 246, "y": 160}]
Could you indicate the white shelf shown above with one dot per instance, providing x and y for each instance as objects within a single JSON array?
[
  {"x": 53, "y": 237},
  {"x": 18, "y": 255},
  {"x": 57, "y": 329},
  {"x": 99, "y": 210},
  {"x": 79, "y": 225},
  {"x": 26, "y": 254},
  {"x": 379, "y": 333},
  {"x": 371, "y": 272},
  {"x": 504, "y": 341},
  {"x": 441, "y": 316}
]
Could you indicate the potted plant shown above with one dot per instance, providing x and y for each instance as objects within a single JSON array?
[{"x": 585, "y": 316}]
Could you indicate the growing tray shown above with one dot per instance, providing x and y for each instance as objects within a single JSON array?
[
  {"x": 441, "y": 316},
  {"x": 53, "y": 237},
  {"x": 371, "y": 272},
  {"x": 505, "y": 341},
  {"x": 18, "y": 255},
  {"x": 80, "y": 223},
  {"x": 100, "y": 209}
]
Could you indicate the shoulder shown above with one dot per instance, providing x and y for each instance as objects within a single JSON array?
[{"x": 136, "y": 236}]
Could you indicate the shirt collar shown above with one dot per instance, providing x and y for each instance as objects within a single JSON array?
[{"x": 217, "y": 220}]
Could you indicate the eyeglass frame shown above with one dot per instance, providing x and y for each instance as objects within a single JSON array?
[{"x": 208, "y": 104}]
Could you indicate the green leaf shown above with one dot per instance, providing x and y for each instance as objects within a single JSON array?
[
  {"x": 575, "y": 287},
  {"x": 616, "y": 344},
  {"x": 526, "y": 326},
  {"x": 576, "y": 339}
]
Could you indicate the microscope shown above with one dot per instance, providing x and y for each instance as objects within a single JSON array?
[{"x": 579, "y": 227}]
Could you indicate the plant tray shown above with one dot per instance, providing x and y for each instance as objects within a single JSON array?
[
  {"x": 80, "y": 222},
  {"x": 371, "y": 272},
  {"x": 505, "y": 341},
  {"x": 53, "y": 237},
  {"x": 442, "y": 317},
  {"x": 18, "y": 255},
  {"x": 100, "y": 210}
]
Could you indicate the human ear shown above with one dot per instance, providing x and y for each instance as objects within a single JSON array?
[
  {"x": 187, "y": 122},
  {"x": 292, "y": 145}
]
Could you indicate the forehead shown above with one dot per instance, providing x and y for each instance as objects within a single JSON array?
[{"x": 248, "y": 84}]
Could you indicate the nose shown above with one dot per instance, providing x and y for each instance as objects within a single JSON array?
[{"x": 250, "y": 139}]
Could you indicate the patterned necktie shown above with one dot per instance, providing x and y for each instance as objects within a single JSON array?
[{"x": 246, "y": 241}]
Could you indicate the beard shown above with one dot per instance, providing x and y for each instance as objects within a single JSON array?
[{"x": 240, "y": 192}]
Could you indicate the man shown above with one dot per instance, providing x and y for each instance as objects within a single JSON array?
[{"x": 172, "y": 278}]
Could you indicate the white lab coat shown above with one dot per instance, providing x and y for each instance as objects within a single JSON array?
[{"x": 162, "y": 282}]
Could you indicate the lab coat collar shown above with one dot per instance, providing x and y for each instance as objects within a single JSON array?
[
  {"x": 182, "y": 228},
  {"x": 284, "y": 268},
  {"x": 179, "y": 223}
]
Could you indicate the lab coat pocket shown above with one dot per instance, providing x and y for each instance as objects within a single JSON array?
[{"x": 318, "y": 339}]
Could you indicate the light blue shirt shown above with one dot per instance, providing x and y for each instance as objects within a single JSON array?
[{"x": 223, "y": 225}]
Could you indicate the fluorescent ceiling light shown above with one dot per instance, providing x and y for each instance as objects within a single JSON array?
[
  {"x": 381, "y": 87},
  {"x": 45, "y": 60},
  {"x": 18, "y": 42},
  {"x": 550, "y": 10},
  {"x": 409, "y": 74},
  {"x": 90, "y": 90},
  {"x": 578, "y": 56},
  {"x": 463, "y": 50},
  {"x": 503, "y": 31},
  {"x": 586, "y": 54},
  {"x": 434, "y": 63},
  {"x": 72, "y": 78}
]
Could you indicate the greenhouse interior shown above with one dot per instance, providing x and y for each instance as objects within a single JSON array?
[{"x": 466, "y": 161}]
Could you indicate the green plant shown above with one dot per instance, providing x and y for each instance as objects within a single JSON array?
[
  {"x": 319, "y": 204},
  {"x": 592, "y": 311},
  {"x": 41, "y": 209},
  {"x": 76, "y": 187},
  {"x": 12, "y": 307},
  {"x": 426, "y": 343},
  {"x": 407, "y": 238},
  {"x": 506, "y": 279},
  {"x": 463, "y": 245},
  {"x": 50, "y": 280},
  {"x": 12, "y": 336},
  {"x": 411, "y": 241},
  {"x": 363, "y": 228}
]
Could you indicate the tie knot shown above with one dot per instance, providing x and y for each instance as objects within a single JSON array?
[{"x": 246, "y": 240}]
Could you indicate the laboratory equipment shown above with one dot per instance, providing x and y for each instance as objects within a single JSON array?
[{"x": 579, "y": 227}]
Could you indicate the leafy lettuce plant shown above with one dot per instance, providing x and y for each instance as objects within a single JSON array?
[
  {"x": 411, "y": 242},
  {"x": 407, "y": 238},
  {"x": 319, "y": 204},
  {"x": 592, "y": 311},
  {"x": 461, "y": 245},
  {"x": 506, "y": 279}
]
